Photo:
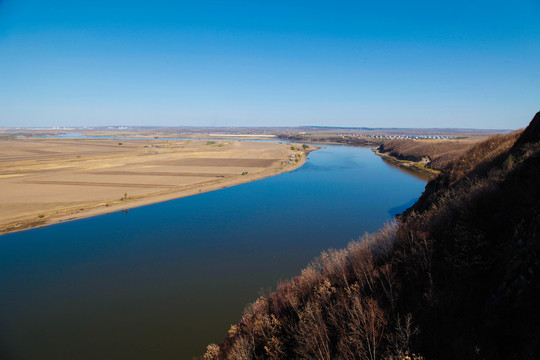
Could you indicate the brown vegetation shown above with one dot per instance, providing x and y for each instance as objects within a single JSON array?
[
  {"x": 438, "y": 154},
  {"x": 457, "y": 277}
]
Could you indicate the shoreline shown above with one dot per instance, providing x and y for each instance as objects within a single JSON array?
[
  {"x": 413, "y": 166},
  {"x": 90, "y": 209}
]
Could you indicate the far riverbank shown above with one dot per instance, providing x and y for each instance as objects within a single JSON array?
[{"x": 50, "y": 180}]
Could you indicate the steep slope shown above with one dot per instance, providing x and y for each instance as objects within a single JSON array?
[{"x": 457, "y": 277}]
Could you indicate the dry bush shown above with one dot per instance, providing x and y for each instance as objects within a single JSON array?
[
  {"x": 212, "y": 352},
  {"x": 401, "y": 339},
  {"x": 312, "y": 335},
  {"x": 241, "y": 349},
  {"x": 366, "y": 326}
]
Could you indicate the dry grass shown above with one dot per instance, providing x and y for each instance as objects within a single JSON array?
[{"x": 439, "y": 153}]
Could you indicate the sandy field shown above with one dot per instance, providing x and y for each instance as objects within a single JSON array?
[{"x": 46, "y": 181}]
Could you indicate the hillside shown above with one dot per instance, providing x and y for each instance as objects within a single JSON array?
[
  {"x": 455, "y": 277},
  {"x": 437, "y": 154}
]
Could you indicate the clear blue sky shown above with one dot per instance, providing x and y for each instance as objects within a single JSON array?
[{"x": 468, "y": 64}]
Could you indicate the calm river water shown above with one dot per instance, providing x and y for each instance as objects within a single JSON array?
[{"x": 162, "y": 281}]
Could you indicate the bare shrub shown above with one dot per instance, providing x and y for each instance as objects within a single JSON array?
[
  {"x": 312, "y": 336},
  {"x": 212, "y": 352},
  {"x": 400, "y": 340},
  {"x": 366, "y": 326},
  {"x": 241, "y": 350}
]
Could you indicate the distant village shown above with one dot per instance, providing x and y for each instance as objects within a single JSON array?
[
  {"x": 382, "y": 136},
  {"x": 410, "y": 137}
]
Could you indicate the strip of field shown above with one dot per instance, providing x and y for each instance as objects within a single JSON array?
[{"x": 45, "y": 181}]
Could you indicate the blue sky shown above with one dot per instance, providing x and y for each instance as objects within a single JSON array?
[{"x": 467, "y": 64}]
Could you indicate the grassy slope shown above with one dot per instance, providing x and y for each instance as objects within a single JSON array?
[
  {"x": 457, "y": 277},
  {"x": 440, "y": 153}
]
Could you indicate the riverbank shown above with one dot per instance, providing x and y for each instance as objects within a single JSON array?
[
  {"x": 418, "y": 167},
  {"x": 49, "y": 181},
  {"x": 425, "y": 157}
]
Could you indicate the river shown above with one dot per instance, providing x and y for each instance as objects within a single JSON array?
[{"x": 164, "y": 280}]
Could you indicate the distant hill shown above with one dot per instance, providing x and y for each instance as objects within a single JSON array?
[{"x": 457, "y": 277}]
